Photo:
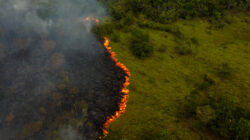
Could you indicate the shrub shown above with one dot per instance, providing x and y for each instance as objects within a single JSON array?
[
  {"x": 183, "y": 50},
  {"x": 230, "y": 121},
  {"x": 190, "y": 107},
  {"x": 206, "y": 83},
  {"x": 103, "y": 29},
  {"x": 205, "y": 113},
  {"x": 117, "y": 12},
  {"x": 219, "y": 24},
  {"x": 128, "y": 20},
  {"x": 194, "y": 41},
  {"x": 242, "y": 129},
  {"x": 224, "y": 71},
  {"x": 140, "y": 45},
  {"x": 168, "y": 16},
  {"x": 222, "y": 116}
]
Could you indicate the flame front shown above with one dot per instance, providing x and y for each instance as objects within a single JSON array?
[{"x": 124, "y": 91}]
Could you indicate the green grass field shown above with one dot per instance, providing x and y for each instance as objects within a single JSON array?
[{"x": 160, "y": 83}]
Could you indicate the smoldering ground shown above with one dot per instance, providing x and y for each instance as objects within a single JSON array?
[{"x": 56, "y": 79}]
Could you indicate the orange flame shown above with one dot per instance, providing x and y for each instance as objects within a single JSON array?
[
  {"x": 124, "y": 90},
  {"x": 86, "y": 19},
  {"x": 96, "y": 20}
]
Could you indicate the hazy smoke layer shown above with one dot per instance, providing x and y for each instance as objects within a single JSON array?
[{"x": 53, "y": 71}]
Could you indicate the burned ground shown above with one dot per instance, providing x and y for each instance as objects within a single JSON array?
[
  {"x": 57, "y": 81},
  {"x": 44, "y": 90}
]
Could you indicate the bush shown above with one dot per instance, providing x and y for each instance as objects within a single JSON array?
[
  {"x": 194, "y": 41},
  {"x": 222, "y": 116},
  {"x": 205, "y": 113},
  {"x": 242, "y": 129},
  {"x": 224, "y": 71},
  {"x": 230, "y": 121},
  {"x": 128, "y": 20},
  {"x": 183, "y": 50},
  {"x": 185, "y": 47},
  {"x": 218, "y": 24},
  {"x": 190, "y": 107},
  {"x": 140, "y": 45},
  {"x": 103, "y": 29},
  {"x": 117, "y": 12},
  {"x": 206, "y": 83},
  {"x": 168, "y": 16}
]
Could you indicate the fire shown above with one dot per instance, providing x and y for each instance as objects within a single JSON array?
[
  {"x": 96, "y": 20},
  {"x": 124, "y": 90},
  {"x": 86, "y": 19}
]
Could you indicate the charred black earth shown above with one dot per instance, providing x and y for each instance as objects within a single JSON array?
[
  {"x": 57, "y": 81},
  {"x": 48, "y": 92},
  {"x": 55, "y": 85}
]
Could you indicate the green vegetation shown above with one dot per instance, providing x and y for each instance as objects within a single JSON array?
[
  {"x": 140, "y": 45},
  {"x": 165, "y": 11},
  {"x": 194, "y": 81}
]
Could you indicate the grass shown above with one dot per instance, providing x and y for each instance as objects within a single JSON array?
[{"x": 160, "y": 83}]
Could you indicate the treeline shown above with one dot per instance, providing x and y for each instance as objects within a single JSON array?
[
  {"x": 127, "y": 15},
  {"x": 168, "y": 10}
]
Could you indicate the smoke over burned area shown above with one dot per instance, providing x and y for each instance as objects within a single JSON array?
[{"x": 56, "y": 80}]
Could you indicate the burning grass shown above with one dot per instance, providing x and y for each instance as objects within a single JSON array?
[
  {"x": 124, "y": 90},
  {"x": 48, "y": 87}
]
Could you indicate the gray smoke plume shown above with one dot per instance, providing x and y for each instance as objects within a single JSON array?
[{"x": 56, "y": 80}]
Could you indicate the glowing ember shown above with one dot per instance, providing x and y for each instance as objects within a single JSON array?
[
  {"x": 124, "y": 90},
  {"x": 90, "y": 19}
]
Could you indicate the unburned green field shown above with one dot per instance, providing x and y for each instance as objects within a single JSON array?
[{"x": 207, "y": 59}]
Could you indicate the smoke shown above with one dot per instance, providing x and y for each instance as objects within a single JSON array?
[
  {"x": 69, "y": 134},
  {"x": 42, "y": 15},
  {"x": 53, "y": 70}
]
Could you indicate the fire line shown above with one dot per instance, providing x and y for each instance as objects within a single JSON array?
[{"x": 124, "y": 91}]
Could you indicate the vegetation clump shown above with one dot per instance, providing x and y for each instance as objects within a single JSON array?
[
  {"x": 220, "y": 115},
  {"x": 224, "y": 71},
  {"x": 103, "y": 29},
  {"x": 231, "y": 121},
  {"x": 170, "y": 10},
  {"x": 140, "y": 45}
]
